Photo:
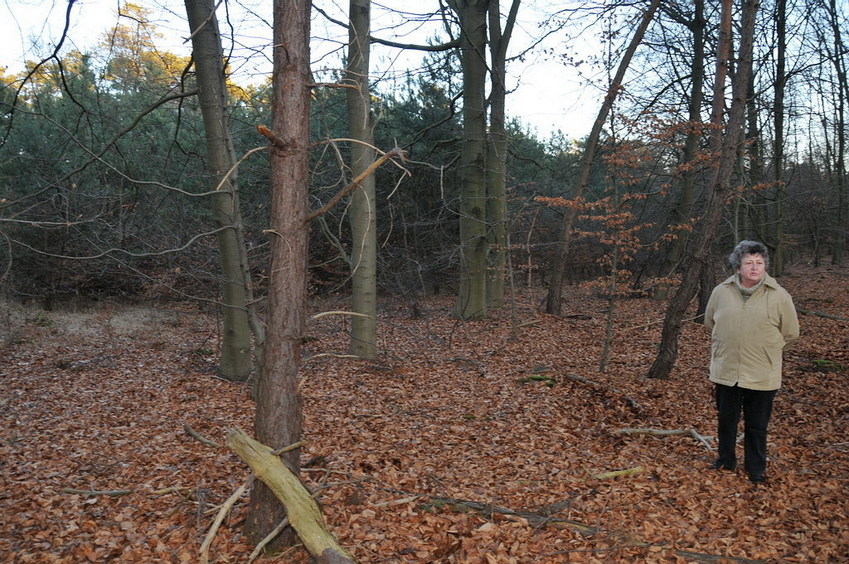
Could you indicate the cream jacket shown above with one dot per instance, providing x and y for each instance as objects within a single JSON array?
[{"x": 748, "y": 337}]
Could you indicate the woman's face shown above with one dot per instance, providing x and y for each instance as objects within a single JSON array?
[{"x": 752, "y": 269}]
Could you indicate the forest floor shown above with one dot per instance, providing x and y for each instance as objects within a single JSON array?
[{"x": 466, "y": 442}]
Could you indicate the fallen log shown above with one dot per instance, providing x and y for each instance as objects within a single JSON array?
[
  {"x": 820, "y": 314},
  {"x": 534, "y": 519},
  {"x": 301, "y": 509}
]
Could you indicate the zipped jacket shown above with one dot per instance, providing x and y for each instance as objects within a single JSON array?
[{"x": 748, "y": 336}]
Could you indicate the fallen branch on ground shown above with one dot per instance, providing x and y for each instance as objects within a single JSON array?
[
  {"x": 535, "y": 519},
  {"x": 257, "y": 551},
  {"x": 617, "y": 473},
  {"x": 204, "y": 548},
  {"x": 301, "y": 509},
  {"x": 820, "y": 314},
  {"x": 93, "y": 493},
  {"x": 702, "y": 557},
  {"x": 666, "y": 433},
  {"x": 192, "y": 433}
]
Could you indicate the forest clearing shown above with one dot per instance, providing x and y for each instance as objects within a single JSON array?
[{"x": 489, "y": 441}]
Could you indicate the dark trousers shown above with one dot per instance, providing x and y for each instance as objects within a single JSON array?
[{"x": 756, "y": 406}]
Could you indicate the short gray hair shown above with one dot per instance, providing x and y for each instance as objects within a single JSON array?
[{"x": 743, "y": 248}]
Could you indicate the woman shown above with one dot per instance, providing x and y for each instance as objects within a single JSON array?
[{"x": 752, "y": 320}]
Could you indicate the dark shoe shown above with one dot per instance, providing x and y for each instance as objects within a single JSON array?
[
  {"x": 719, "y": 465},
  {"x": 757, "y": 478}
]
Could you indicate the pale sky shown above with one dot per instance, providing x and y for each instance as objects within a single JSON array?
[{"x": 547, "y": 97}]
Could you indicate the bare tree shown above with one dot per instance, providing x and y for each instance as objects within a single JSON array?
[
  {"x": 555, "y": 290},
  {"x": 778, "y": 254},
  {"x": 684, "y": 206},
  {"x": 496, "y": 203},
  {"x": 236, "y": 362},
  {"x": 279, "y": 409},
  {"x": 471, "y": 296},
  {"x": 721, "y": 179},
  {"x": 363, "y": 205},
  {"x": 838, "y": 59}
]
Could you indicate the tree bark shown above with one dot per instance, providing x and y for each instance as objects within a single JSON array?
[
  {"x": 471, "y": 297},
  {"x": 777, "y": 262},
  {"x": 363, "y": 205},
  {"x": 279, "y": 409},
  {"x": 555, "y": 289},
  {"x": 496, "y": 181},
  {"x": 236, "y": 362},
  {"x": 721, "y": 180},
  {"x": 839, "y": 61}
]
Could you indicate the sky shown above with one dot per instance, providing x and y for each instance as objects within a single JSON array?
[{"x": 546, "y": 96}]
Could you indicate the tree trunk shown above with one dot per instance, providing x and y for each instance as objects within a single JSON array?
[
  {"x": 555, "y": 289},
  {"x": 279, "y": 408},
  {"x": 363, "y": 212},
  {"x": 496, "y": 203},
  {"x": 777, "y": 262},
  {"x": 720, "y": 182},
  {"x": 236, "y": 360},
  {"x": 839, "y": 61},
  {"x": 752, "y": 215},
  {"x": 471, "y": 298}
]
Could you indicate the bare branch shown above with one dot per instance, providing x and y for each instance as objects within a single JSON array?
[{"x": 396, "y": 152}]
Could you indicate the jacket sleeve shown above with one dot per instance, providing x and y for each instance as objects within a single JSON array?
[
  {"x": 710, "y": 309},
  {"x": 789, "y": 320}
]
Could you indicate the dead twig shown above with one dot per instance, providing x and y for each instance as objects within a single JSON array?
[
  {"x": 197, "y": 436},
  {"x": 210, "y": 535},
  {"x": 268, "y": 538},
  {"x": 396, "y": 152},
  {"x": 534, "y": 519}
]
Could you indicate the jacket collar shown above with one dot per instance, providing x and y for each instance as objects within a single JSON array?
[{"x": 768, "y": 280}]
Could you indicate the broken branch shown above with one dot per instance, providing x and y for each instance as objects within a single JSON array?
[
  {"x": 92, "y": 493},
  {"x": 617, "y": 473},
  {"x": 302, "y": 510},
  {"x": 396, "y": 152},
  {"x": 192, "y": 433},
  {"x": 665, "y": 433},
  {"x": 204, "y": 548},
  {"x": 276, "y": 141}
]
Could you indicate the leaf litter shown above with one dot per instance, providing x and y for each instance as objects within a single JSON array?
[{"x": 489, "y": 441}]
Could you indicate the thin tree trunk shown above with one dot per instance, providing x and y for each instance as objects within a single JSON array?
[
  {"x": 555, "y": 289},
  {"x": 236, "y": 362},
  {"x": 752, "y": 219},
  {"x": 720, "y": 183},
  {"x": 777, "y": 262},
  {"x": 839, "y": 62},
  {"x": 363, "y": 212},
  {"x": 496, "y": 203},
  {"x": 279, "y": 408}
]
